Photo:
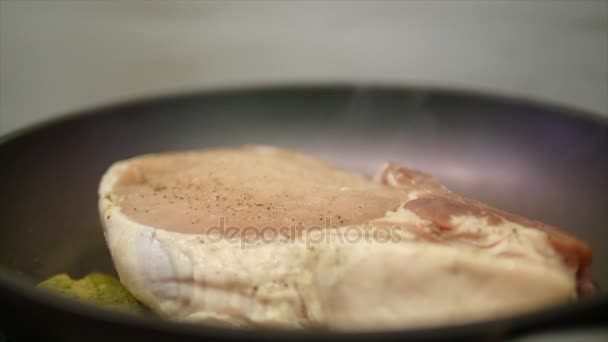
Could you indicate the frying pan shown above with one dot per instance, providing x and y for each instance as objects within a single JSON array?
[{"x": 538, "y": 160}]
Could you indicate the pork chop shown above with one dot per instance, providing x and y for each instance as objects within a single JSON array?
[{"x": 262, "y": 236}]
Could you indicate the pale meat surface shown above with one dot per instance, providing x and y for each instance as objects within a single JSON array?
[
  {"x": 398, "y": 252},
  {"x": 190, "y": 192}
]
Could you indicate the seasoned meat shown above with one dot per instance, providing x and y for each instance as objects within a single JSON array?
[{"x": 262, "y": 236}]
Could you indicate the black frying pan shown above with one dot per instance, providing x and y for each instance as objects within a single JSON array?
[{"x": 540, "y": 161}]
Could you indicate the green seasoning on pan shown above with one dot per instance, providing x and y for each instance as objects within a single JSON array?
[{"x": 96, "y": 288}]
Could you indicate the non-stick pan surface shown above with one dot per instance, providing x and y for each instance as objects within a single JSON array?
[{"x": 540, "y": 161}]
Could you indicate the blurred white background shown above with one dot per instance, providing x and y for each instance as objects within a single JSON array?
[{"x": 61, "y": 56}]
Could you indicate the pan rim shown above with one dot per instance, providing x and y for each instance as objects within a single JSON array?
[{"x": 101, "y": 108}]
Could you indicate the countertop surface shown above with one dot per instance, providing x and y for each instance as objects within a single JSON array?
[{"x": 62, "y": 56}]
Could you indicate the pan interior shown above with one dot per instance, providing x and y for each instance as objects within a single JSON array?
[{"x": 538, "y": 161}]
